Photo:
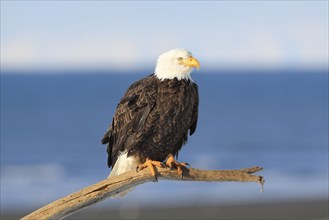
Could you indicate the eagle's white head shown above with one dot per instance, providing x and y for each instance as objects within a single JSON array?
[{"x": 176, "y": 63}]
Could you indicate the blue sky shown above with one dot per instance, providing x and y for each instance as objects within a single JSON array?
[{"x": 126, "y": 35}]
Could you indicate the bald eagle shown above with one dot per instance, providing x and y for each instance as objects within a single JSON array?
[{"x": 153, "y": 118}]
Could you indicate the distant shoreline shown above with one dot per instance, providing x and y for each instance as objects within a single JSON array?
[
  {"x": 146, "y": 71},
  {"x": 301, "y": 209}
]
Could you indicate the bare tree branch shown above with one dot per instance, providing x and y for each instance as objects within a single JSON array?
[{"x": 67, "y": 205}]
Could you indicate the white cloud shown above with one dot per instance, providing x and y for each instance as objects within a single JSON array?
[
  {"x": 264, "y": 48},
  {"x": 86, "y": 52},
  {"x": 311, "y": 44},
  {"x": 291, "y": 45},
  {"x": 299, "y": 44},
  {"x": 96, "y": 51},
  {"x": 20, "y": 52}
]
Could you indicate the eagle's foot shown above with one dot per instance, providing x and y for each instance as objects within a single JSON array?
[
  {"x": 171, "y": 163},
  {"x": 150, "y": 164}
]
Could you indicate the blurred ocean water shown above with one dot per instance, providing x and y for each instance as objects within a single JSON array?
[{"x": 51, "y": 126}]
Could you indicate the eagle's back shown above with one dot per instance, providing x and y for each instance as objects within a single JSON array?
[{"x": 130, "y": 115}]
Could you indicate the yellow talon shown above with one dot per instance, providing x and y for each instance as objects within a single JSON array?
[
  {"x": 150, "y": 164},
  {"x": 171, "y": 162}
]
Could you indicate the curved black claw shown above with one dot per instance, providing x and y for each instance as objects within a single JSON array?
[
  {"x": 164, "y": 165},
  {"x": 155, "y": 178}
]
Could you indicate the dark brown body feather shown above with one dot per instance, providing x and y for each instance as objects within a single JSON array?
[{"x": 152, "y": 119}]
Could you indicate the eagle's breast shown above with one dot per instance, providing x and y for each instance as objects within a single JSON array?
[{"x": 173, "y": 117}]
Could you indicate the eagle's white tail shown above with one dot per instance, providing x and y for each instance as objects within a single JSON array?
[{"x": 122, "y": 165}]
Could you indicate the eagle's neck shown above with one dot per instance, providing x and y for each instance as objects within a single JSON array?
[{"x": 172, "y": 74}]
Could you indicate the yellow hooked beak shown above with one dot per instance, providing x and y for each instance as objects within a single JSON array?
[{"x": 191, "y": 62}]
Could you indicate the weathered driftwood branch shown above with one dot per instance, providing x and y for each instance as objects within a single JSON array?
[{"x": 110, "y": 187}]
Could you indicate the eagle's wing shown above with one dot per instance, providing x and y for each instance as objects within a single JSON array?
[
  {"x": 195, "y": 113},
  {"x": 130, "y": 116}
]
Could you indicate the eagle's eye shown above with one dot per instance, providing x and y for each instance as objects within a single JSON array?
[{"x": 180, "y": 58}]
